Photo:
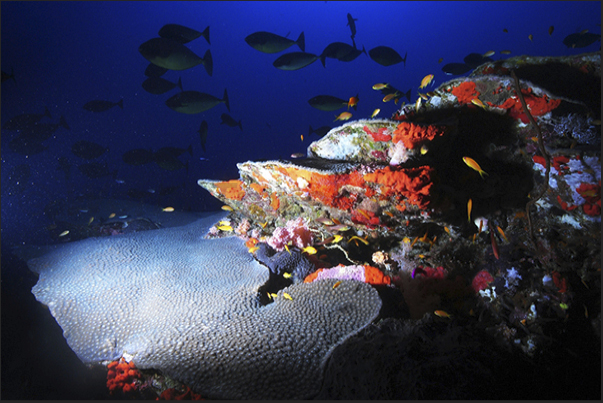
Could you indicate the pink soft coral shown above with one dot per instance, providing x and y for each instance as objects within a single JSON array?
[{"x": 295, "y": 231}]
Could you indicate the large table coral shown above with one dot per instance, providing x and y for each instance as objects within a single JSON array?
[{"x": 189, "y": 307}]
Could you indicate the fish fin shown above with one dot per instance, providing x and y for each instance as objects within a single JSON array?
[
  {"x": 301, "y": 42},
  {"x": 121, "y": 103},
  {"x": 180, "y": 83},
  {"x": 404, "y": 60},
  {"x": 322, "y": 60},
  {"x": 240, "y": 125},
  {"x": 408, "y": 94},
  {"x": 310, "y": 130},
  {"x": 225, "y": 99},
  {"x": 208, "y": 62},
  {"x": 63, "y": 123},
  {"x": 47, "y": 112},
  {"x": 190, "y": 149},
  {"x": 205, "y": 34}
]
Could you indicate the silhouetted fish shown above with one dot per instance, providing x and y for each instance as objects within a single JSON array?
[
  {"x": 101, "y": 106},
  {"x": 165, "y": 159},
  {"x": 386, "y": 56},
  {"x": 320, "y": 132},
  {"x": 175, "y": 151},
  {"x": 181, "y": 33},
  {"x": 581, "y": 40},
  {"x": 352, "y": 24},
  {"x": 294, "y": 60},
  {"x": 22, "y": 121},
  {"x": 473, "y": 60},
  {"x": 96, "y": 169},
  {"x": 191, "y": 102},
  {"x": 138, "y": 156},
  {"x": 87, "y": 149},
  {"x": 203, "y": 134},
  {"x": 42, "y": 131},
  {"x": 456, "y": 69},
  {"x": 6, "y": 76},
  {"x": 340, "y": 51},
  {"x": 229, "y": 121},
  {"x": 26, "y": 147},
  {"x": 172, "y": 55},
  {"x": 158, "y": 85},
  {"x": 64, "y": 166},
  {"x": 271, "y": 43},
  {"x": 153, "y": 70},
  {"x": 327, "y": 102}
]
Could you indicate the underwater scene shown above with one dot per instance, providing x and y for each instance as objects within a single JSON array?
[{"x": 301, "y": 200}]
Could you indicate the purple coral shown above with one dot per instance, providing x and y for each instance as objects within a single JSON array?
[
  {"x": 295, "y": 231},
  {"x": 343, "y": 273}
]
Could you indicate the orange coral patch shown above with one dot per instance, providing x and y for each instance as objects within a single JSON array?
[
  {"x": 465, "y": 92},
  {"x": 312, "y": 276},
  {"x": 411, "y": 134},
  {"x": 231, "y": 189},
  {"x": 412, "y": 183},
  {"x": 275, "y": 203},
  {"x": 327, "y": 189},
  {"x": 537, "y": 105},
  {"x": 374, "y": 276},
  {"x": 257, "y": 187}
]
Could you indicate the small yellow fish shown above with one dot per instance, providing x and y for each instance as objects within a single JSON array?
[
  {"x": 64, "y": 233},
  {"x": 442, "y": 314},
  {"x": 424, "y": 96},
  {"x": 287, "y": 248},
  {"x": 375, "y": 112},
  {"x": 380, "y": 86},
  {"x": 287, "y": 296},
  {"x": 447, "y": 230},
  {"x": 336, "y": 238},
  {"x": 287, "y": 275},
  {"x": 478, "y": 102},
  {"x": 414, "y": 241},
  {"x": 502, "y": 233},
  {"x": 426, "y": 80},
  {"x": 337, "y": 284},
  {"x": 418, "y": 104},
  {"x": 90, "y": 220},
  {"x": 424, "y": 149},
  {"x": 253, "y": 249},
  {"x": 111, "y": 215},
  {"x": 302, "y": 137},
  {"x": 340, "y": 227},
  {"x": 530, "y": 37},
  {"x": 227, "y": 208},
  {"x": 357, "y": 238},
  {"x": 505, "y": 52},
  {"x": 263, "y": 224},
  {"x": 273, "y": 295},
  {"x": 469, "y": 206},
  {"x": 474, "y": 165},
  {"x": 167, "y": 209},
  {"x": 489, "y": 53},
  {"x": 224, "y": 222},
  {"x": 310, "y": 250},
  {"x": 441, "y": 60},
  {"x": 551, "y": 29},
  {"x": 227, "y": 228},
  {"x": 343, "y": 116},
  {"x": 389, "y": 97}
]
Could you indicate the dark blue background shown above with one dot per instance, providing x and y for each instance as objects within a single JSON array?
[{"x": 65, "y": 54}]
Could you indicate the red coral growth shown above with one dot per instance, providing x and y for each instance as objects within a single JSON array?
[
  {"x": 465, "y": 92},
  {"x": 367, "y": 218},
  {"x": 231, "y": 189},
  {"x": 122, "y": 376},
  {"x": 564, "y": 205},
  {"x": 375, "y": 276},
  {"x": 438, "y": 273},
  {"x": 481, "y": 281},
  {"x": 560, "y": 282},
  {"x": 381, "y": 135},
  {"x": 592, "y": 196},
  {"x": 412, "y": 134},
  {"x": 537, "y": 105},
  {"x": 327, "y": 189},
  {"x": 412, "y": 183},
  {"x": 173, "y": 394},
  {"x": 556, "y": 163}
]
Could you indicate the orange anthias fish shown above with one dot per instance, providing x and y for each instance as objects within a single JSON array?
[
  {"x": 343, "y": 116},
  {"x": 353, "y": 102},
  {"x": 426, "y": 80},
  {"x": 474, "y": 165},
  {"x": 469, "y": 206},
  {"x": 442, "y": 314}
]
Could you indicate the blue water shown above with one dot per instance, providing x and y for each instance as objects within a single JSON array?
[{"x": 64, "y": 54}]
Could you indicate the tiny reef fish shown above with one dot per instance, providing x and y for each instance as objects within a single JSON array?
[
  {"x": 380, "y": 86},
  {"x": 227, "y": 208},
  {"x": 287, "y": 275},
  {"x": 489, "y": 53},
  {"x": 357, "y": 238},
  {"x": 111, "y": 215},
  {"x": 253, "y": 249},
  {"x": 426, "y": 80},
  {"x": 337, "y": 284},
  {"x": 442, "y": 314},
  {"x": 64, "y": 233},
  {"x": 167, "y": 209},
  {"x": 530, "y": 37},
  {"x": 310, "y": 250},
  {"x": 287, "y": 296},
  {"x": 389, "y": 97},
  {"x": 375, "y": 112},
  {"x": 353, "y": 102},
  {"x": 225, "y": 228},
  {"x": 502, "y": 233},
  {"x": 90, "y": 220},
  {"x": 474, "y": 165},
  {"x": 343, "y": 116},
  {"x": 469, "y": 206}
]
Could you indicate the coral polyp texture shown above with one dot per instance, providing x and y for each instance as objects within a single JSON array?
[{"x": 189, "y": 307}]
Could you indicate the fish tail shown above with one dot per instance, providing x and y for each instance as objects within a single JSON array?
[
  {"x": 180, "y": 81},
  {"x": 407, "y": 95},
  {"x": 63, "y": 123},
  {"x": 310, "y": 131},
  {"x": 225, "y": 99},
  {"x": 121, "y": 103},
  {"x": 208, "y": 62},
  {"x": 190, "y": 149},
  {"x": 482, "y": 173},
  {"x": 205, "y": 34},
  {"x": 47, "y": 112},
  {"x": 240, "y": 125},
  {"x": 301, "y": 42},
  {"x": 404, "y": 60},
  {"x": 322, "y": 60}
]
